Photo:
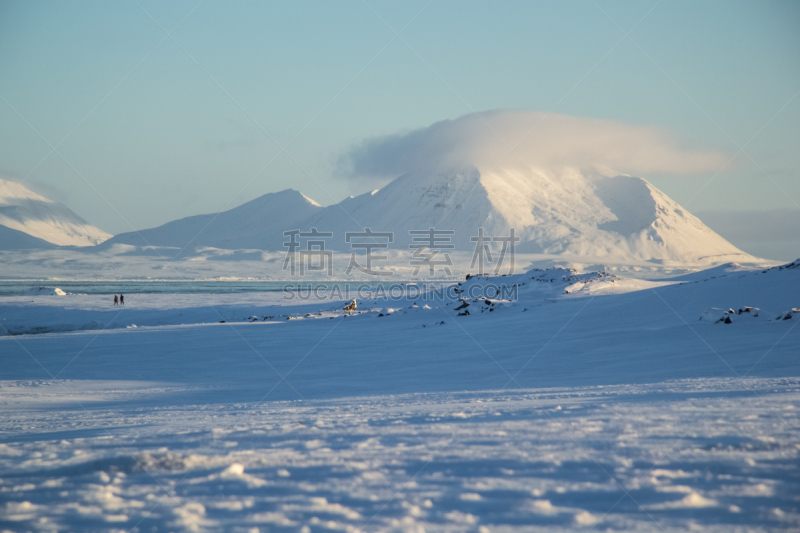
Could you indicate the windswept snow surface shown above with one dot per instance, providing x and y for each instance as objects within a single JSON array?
[
  {"x": 24, "y": 211},
  {"x": 588, "y": 401}
]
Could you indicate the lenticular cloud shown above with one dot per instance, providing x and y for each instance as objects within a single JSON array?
[{"x": 506, "y": 138}]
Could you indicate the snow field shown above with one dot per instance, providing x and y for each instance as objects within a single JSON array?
[
  {"x": 717, "y": 454},
  {"x": 590, "y": 402}
]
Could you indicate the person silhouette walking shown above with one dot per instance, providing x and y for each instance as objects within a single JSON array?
[
  {"x": 116, "y": 300},
  {"x": 121, "y": 299}
]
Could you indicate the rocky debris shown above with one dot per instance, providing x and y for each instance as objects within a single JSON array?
[
  {"x": 788, "y": 266},
  {"x": 715, "y": 315},
  {"x": 788, "y": 314},
  {"x": 491, "y": 305},
  {"x": 488, "y": 305},
  {"x": 794, "y": 264}
]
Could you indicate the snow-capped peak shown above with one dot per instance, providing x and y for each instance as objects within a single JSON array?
[
  {"x": 312, "y": 202},
  {"x": 11, "y": 193},
  {"x": 27, "y": 214}
]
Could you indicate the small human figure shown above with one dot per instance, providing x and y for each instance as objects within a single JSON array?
[
  {"x": 121, "y": 299},
  {"x": 116, "y": 300}
]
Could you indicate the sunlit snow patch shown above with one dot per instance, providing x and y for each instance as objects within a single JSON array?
[{"x": 45, "y": 291}]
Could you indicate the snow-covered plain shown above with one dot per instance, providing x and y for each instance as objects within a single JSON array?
[{"x": 589, "y": 402}]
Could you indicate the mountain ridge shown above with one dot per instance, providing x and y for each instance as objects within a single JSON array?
[
  {"x": 237, "y": 228},
  {"x": 566, "y": 212}
]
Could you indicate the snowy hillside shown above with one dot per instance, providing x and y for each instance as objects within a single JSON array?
[
  {"x": 26, "y": 212},
  {"x": 256, "y": 224},
  {"x": 11, "y": 239},
  {"x": 567, "y": 213}
]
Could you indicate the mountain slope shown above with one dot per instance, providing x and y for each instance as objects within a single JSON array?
[
  {"x": 12, "y": 239},
  {"x": 566, "y": 212},
  {"x": 254, "y": 224},
  {"x": 449, "y": 201},
  {"x": 594, "y": 216},
  {"x": 25, "y": 211}
]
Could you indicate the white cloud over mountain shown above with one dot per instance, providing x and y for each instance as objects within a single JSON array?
[{"x": 525, "y": 139}]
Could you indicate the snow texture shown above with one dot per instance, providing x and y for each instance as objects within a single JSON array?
[{"x": 589, "y": 400}]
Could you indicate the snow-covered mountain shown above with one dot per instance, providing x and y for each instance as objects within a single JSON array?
[
  {"x": 563, "y": 212},
  {"x": 590, "y": 215},
  {"x": 29, "y": 220},
  {"x": 11, "y": 239},
  {"x": 253, "y": 225}
]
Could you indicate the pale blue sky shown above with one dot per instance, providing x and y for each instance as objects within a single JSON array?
[{"x": 163, "y": 141}]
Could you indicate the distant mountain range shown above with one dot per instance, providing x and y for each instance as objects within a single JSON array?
[
  {"x": 602, "y": 216},
  {"x": 31, "y": 221},
  {"x": 257, "y": 224},
  {"x": 568, "y": 213}
]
